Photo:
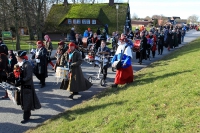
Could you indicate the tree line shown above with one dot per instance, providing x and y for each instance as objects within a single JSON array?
[{"x": 193, "y": 19}]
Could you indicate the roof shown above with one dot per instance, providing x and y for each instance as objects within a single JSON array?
[{"x": 103, "y": 12}]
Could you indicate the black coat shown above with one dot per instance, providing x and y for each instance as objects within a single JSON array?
[
  {"x": 72, "y": 35},
  {"x": 5, "y": 48},
  {"x": 98, "y": 32},
  {"x": 170, "y": 40},
  {"x": 179, "y": 37},
  {"x": 3, "y": 65},
  {"x": 29, "y": 99},
  {"x": 78, "y": 42},
  {"x": 161, "y": 40},
  {"x": 143, "y": 45},
  {"x": 41, "y": 67}
]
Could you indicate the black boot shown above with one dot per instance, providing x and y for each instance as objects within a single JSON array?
[
  {"x": 24, "y": 121},
  {"x": 74, "y": 93},
  {"x": 71, "y": 96},
  {"x": 114, "y": 85},
  {"x": 43, "y": 85}
]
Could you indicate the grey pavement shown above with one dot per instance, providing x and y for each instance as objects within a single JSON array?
[{"x": 55, "y": 101}]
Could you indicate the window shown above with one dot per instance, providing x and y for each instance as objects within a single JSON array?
[
  {"x": 84, "y": 21},
  {"x": 69, "y": 21},
  {"x": 74, "y": 21},
  {"x": 93, "y": 21},
  {"x": 88, "y": 21},
  {"x": 78, "y": 21}
]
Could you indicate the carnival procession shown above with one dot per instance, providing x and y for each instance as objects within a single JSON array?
[
  {"x": 69, "y": 65},
  {"x": 17, "y": 70}
]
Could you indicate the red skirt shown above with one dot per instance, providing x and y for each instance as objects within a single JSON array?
[{"x": 124, "y": 75}]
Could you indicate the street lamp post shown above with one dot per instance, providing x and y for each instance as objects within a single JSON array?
[{"x": 117, "y": 7}]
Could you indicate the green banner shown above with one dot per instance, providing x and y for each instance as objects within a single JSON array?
[{"x": 6, "y": 34}]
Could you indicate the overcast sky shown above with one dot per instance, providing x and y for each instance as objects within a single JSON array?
[{"x": 168, "y": 8}]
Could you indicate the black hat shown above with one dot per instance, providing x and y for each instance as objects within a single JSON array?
[{"x": 21, "y": 53}]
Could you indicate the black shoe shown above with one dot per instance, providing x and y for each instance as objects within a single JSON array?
[
  {"x": 74, "y": 93},
  {"x": 114, "y": 85},
  {"x": 71, "y": 96},
  {"x": 24, "y": 121},
  {"x": 42, "y": 86}
]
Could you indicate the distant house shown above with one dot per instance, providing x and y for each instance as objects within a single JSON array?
[
  {"x": 62, "y": 18},
  {"x": 140, "y": 23},
  {"x": 172, "y": 20}
]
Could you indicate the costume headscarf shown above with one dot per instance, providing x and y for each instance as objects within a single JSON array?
[
  {"x": 40, "y": 42},
  {"x": 71, "y": 44},
  {"x": 121, "y": 48},
  {"x": 47, "y": 38}
]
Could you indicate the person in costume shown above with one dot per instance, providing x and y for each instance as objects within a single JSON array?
[
  {"x": 114, "y": 42},
  {"x": 141, "y": 54},
  {"x": 151, "y": 43},
  {"x": 179, "y": 36},
  {"x": 137, "y": 33},
  {"x": 63, "y": 46},
  {"x": 41, "y": 63},
  {"x": 72, "y": 60},
  {"x": 103, "y": 36},
  {"x": 175, "y": 38},
  {"x": 28, "y": 98},
  {"x": 72, "y": 34},
  {"x": 5, "y": 48},
  {"x": 103, "y": 48},
  {"x": 96, "y": 41},
  {"x": 160, "y": 43},
  {"x": 3, "y": 68},
  {"x": 58, "y": 56},
  {"x": 170, "y": 39},
  {"x": 12, "y": 60},
  {"x": 78, "y": 41},
  {"x": 125, "y": 74},
  {"x": 183, "y": 34},
  {"x": 49, "y": 47},
  {"x": 166, "y": 31}
]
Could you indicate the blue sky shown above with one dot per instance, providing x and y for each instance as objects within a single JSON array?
[{"x": 180, "y": 8}]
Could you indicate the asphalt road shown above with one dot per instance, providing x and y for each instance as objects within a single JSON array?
[{"x": 55, "y": 101}]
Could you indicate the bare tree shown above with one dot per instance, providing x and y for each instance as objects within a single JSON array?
[
  {"x": 134, "y": 16},
  {"x": 147, "y": 18},
  {"x": 193, "y": 19}
]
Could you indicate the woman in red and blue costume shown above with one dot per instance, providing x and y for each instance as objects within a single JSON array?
[{"x": 124, "y": 75}]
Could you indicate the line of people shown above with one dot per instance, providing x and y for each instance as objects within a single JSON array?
[{"x": 155, "y": 40}]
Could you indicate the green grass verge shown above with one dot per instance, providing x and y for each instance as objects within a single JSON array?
[
  {"x": 165, "y": 97},
  {"x": 25, "y": 43}
]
